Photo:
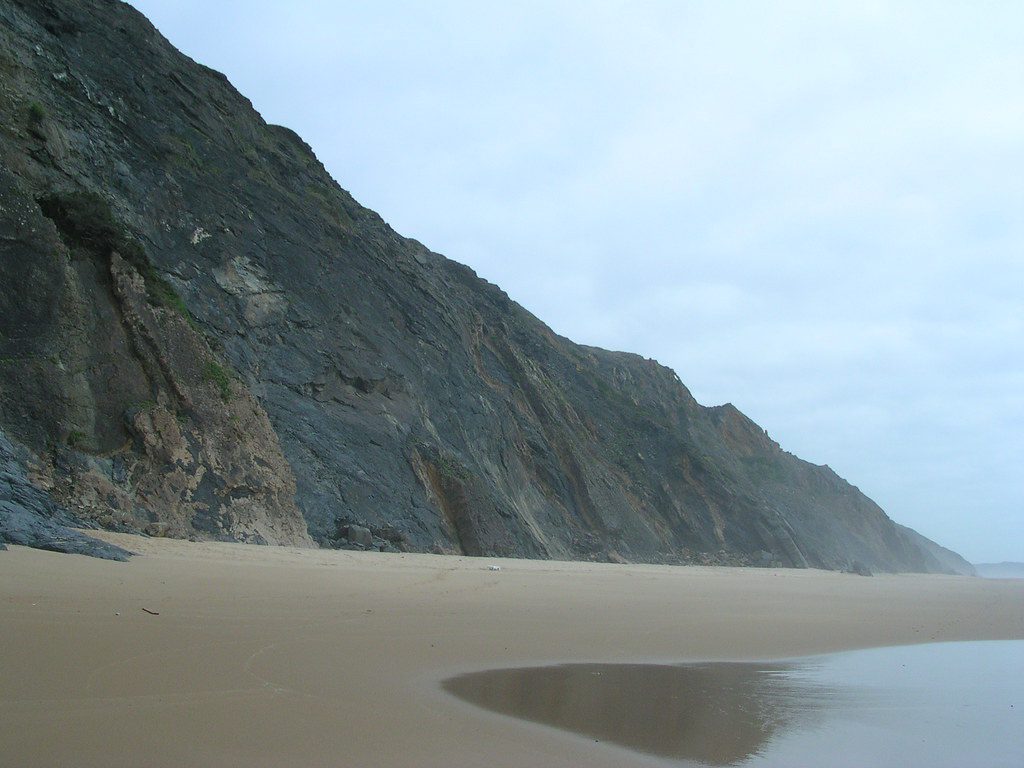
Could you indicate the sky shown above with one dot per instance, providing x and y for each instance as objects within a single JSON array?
[{"x": 814, "y": 211}]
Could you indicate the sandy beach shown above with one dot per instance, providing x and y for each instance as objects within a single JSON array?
[{"x": 232, "y": 655}]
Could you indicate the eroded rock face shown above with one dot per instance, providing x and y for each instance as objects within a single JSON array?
[
  {"x": 31, "y": 518},
  {"x": 144, "y": 427},
  {"x": 368, "y": 379}
]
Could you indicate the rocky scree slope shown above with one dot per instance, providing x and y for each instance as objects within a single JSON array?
[{"x": 202, "y": 335}]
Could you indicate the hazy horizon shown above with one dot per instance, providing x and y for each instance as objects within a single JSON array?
[{"x": 816, "y": 214}]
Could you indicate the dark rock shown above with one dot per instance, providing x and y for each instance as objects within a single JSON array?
[
  {"x": 186, "y": 292},
  {"x": 30, "y": 518},
  {"x": 157, "y": 530},
  {"x": 360, "y": 536}
]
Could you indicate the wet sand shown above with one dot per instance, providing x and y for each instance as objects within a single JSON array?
[
  {"x": 278, "y": 657},
  {"x": 931, "y": 705}
]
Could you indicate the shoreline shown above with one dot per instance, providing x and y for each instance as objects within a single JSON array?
[{"x": 272, "y": 656}]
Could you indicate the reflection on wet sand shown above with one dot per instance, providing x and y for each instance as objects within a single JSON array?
[
  {"x": 942, "y": 705},
  {"x": 715, "y": 713}
]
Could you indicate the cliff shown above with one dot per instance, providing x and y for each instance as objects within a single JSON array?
[{"x": 203, "y": 335}]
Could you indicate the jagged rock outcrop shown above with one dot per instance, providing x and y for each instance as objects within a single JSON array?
[
  {"x": 140, "y": 422},
  {"x": 30, "y": 518},
  {"x": 209, "y": 336}
]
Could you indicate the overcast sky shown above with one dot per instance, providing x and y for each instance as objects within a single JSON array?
[{"x": 812, "y": 210}]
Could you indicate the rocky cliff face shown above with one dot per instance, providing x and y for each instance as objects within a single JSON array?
[{"x": 202, "y": 334}]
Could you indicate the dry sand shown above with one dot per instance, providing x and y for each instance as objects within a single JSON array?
[{"x": 267, "y": 656}]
